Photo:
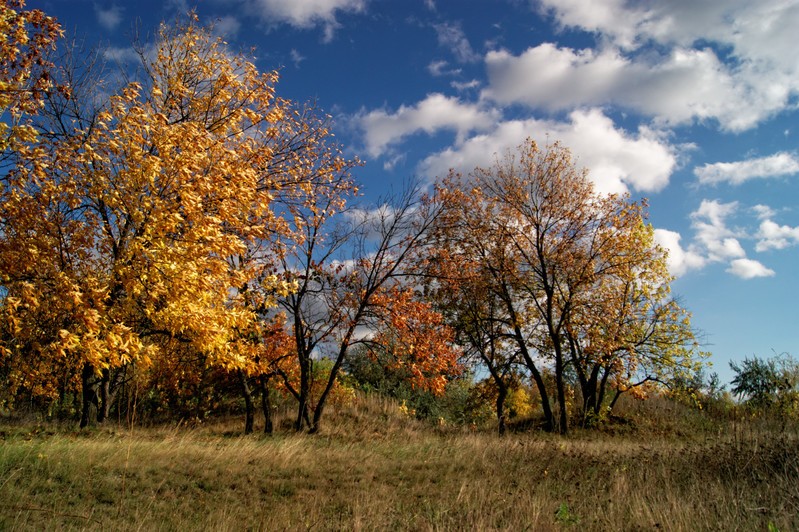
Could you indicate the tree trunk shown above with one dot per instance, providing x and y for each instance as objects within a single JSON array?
[
  {"x": 331, "y": 381},
  {"x": 591, "y": 397},
  {"x": 105, "y": 397},
  {"x": 501, "y": 396},
  {"x": 266, "y": 404},
  {"x": 615, "y": 398},
  {"x": 602, "y": 388},
  {"x": 549, "y": 418},
  {"x": 304, "y": 391},
  {"x": 563, "y": 421},
  {"x": 249, "y": 409},
  {"x": 89, "y": 407}
]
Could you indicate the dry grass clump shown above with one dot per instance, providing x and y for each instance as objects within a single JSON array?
[{"x": 374, "y": 468}]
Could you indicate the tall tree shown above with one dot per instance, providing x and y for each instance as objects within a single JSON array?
[
  {"x": 127, "y": 228},
  {"x": 583, "y": 286}
]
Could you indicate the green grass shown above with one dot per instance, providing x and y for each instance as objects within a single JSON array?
[{"x": 373, "y": 469}]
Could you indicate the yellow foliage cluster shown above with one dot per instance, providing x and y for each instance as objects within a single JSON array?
[{"x": 154, "y": 220}]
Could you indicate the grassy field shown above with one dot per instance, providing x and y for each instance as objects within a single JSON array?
[{"x": 374, "y": 469}]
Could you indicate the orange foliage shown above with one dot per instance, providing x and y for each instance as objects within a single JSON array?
[{"x": 417, "y": 339}]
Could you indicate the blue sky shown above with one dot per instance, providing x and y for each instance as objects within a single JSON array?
[{"x": 691, "y": 104}]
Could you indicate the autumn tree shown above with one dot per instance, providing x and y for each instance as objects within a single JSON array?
[
  {"x": 629, "y": 331},
  {"x": 474, "y": 268},
  {"x": 582, "y": 286},
  {"x": 414, "y": 339},
  {"x": 127, "y": 229},
  {"x": 462, "y": 280},
  {"x": 343, "y": 268},
  {"x": 27, "y": 38}
]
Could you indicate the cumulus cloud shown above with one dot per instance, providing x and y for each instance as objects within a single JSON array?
[
  {"x": 760, "y": 79},
  {"x": 679, "y": 260},
  {"x": 681, "y": 87},
  {"x": 763, "y": 211},
  {"x": 710, "y": 223},
  {"x": 109, "y": 18},
  {"x": 307, "y": 13},
  {"x": 617, "y": 159},
  {"x": 771, "y": 235},
  {"x": 551, "y": 77},
  {"x": 714, "y": 241},
  {"x": 436, "y": 112},
  {"x": 735, "y": 173},
  {"x": 749, "y": 269}
]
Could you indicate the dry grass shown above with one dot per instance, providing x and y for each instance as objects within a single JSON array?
[{"x": 374, "y": 469}]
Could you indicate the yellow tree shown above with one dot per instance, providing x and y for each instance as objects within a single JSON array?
[
  {"x": 132, "y": 225},
  {"x": 626, "y": 330},
  {"x": 26, "y": 39}
]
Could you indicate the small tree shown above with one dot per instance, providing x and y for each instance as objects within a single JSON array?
[{"x": 768, "y": 385}]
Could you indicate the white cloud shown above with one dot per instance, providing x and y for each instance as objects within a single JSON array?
[
  {"x": 779, "y": 164},
  {"x": 759, "y": 79},
  {"x": 715, "y": 241},
  {"x": 710, "y": 223},
  {"x": 436, "y": 112},
  {"x": 307, "y": 13},
  {"x": 763, "y": 211},
  {"x": 679, "y": 260},
  {"x": 451, "y": 36},
  {"x": 617, "y": 160},
  {"x": 749, "y": 269},
  {"x": 551, "y": 77},
  {"x": 683, "y": 86},
  {"x": 108, "y": 18},
  {"x": 774, "y": 236},
  {"x": 611, "y": 18}
]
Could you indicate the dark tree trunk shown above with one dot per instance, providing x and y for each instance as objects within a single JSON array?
[
  {"x": 89, "y": 407},
  {"x": 266, "y": 404},
  {"x": 563, "y": 418},
  {"x": 304, "y": 391},
  {"x": 603, "y": 383},
  {"x": 105, "y": 397},
  {"x": 615, "y": 398},
  {"x": 549, "y": 418},
  {"x": 249, "y": 408},
  {"x": 501, "y": 396},
  {"x": 591, "y": 398}
]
